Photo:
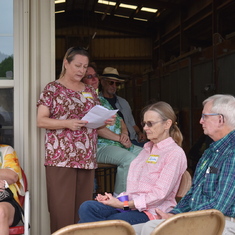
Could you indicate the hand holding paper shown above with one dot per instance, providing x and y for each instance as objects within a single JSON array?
[{"x": 97, "y": 116}]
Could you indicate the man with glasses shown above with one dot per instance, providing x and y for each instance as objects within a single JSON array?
[
  {"x": 110, "y": 80},
  {"x": 214, "y": 180}
]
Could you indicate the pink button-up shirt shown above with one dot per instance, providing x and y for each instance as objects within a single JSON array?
[{"x": 154, "y": 176}]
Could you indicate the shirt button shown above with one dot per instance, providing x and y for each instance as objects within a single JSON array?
[
  {"x": 217, "y": 150},
  {"x": 192, "y": 199}
]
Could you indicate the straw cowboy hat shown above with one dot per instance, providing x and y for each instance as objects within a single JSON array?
[{"x": 112, "y": 73}]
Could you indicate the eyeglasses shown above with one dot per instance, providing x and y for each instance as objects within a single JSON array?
[
  {"x": 90, "y": 76},
  {"x": 204, "y": 115},
  {"x": 112, "y": 82},
  {"x": 150, "y": 124}
]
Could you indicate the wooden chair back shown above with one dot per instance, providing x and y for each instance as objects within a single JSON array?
[
  {"x": 185, "y": 185},
  {"x": 107, "y": 227},
  {"x": 209, "y": 222}
]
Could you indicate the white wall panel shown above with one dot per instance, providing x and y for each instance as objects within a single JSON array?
[{"x": 34, "y": 58}]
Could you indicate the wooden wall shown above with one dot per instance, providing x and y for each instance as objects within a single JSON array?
[
  {"x": 183, "y": 82},
  {"x": 129, "y": 54}
]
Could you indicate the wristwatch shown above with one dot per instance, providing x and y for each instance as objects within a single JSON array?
[
  {"x": 6, "y": 184},
  {"x": 125, "y": 206}
]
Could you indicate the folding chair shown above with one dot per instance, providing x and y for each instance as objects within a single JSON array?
[
  {"x": 185, "y": 185},
  {"x": 208, "y": 222},
  {"x": 107, "y": 227}
]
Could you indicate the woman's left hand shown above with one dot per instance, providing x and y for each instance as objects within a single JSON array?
[
  {"x": 101, "y": 197},
  {"x": 124, "y": 138},
  {"x": 111, "y": 121},
  {"x": 112, "y": 201},
  {"x": 125, "y": 141}
]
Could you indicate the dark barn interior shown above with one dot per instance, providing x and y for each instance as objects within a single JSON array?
[{"x": 181, "y": 53}]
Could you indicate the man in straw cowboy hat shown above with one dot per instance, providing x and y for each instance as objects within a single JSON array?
[{"x": 110, "y": 80}]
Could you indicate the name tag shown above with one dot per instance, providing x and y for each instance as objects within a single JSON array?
[
  {"x": 211, "y": 170},
  {"x": 153, "y": 159},
  {"x": 87, "y": 95}
]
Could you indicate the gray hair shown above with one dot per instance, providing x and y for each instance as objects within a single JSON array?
[{"x": 225, "y": 105}]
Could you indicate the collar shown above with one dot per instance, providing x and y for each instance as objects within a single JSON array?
[
  {"x": 222, "y": 144},
  {"x": 114, "y": 96},
  {"x": 160, "y": 145}
]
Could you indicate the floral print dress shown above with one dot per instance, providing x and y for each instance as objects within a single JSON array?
[{"x": 65, "y": 147}]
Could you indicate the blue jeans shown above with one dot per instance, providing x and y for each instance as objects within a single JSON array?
[{"x": 91, "y": 211}]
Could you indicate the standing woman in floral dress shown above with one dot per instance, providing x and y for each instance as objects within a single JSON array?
[{"x": 70, "y": 147}]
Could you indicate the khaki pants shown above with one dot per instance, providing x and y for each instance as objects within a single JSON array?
[
  {"x": 229, "y": 218},
  {"x": 67, "y": 189}
]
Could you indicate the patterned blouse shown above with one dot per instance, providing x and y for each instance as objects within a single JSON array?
[
  {"x": 9, "y": 160},
  {"x": 116, "y": 128},
  {"x": 65, "y": 147}
]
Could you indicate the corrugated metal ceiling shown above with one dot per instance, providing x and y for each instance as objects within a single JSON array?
[
  {"x": 208, "y": 17},
  {"x": 85, "y": 10}
]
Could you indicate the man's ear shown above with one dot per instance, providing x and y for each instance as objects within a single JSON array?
[{"x": 221, "y": 120}]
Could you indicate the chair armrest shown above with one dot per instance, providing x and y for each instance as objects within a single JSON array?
[{"x": 27, "y": 213}]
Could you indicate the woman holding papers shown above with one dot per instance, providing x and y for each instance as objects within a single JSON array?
[
  {"x": 114, "y": 145},
  {"x": 70, "y": 147},
  {"x": 97, "y": 116}
]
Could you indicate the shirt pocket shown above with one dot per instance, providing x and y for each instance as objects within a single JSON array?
[
  {"x": 154, "y": 172},
  {"x": 210, "y": 184}
]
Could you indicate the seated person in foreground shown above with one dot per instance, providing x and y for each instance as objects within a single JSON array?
[
  {"x": 10, "y": 174},
  {"x": 154, "y": 175},
  {"x": 214, "y": 179},
  {"x": 114, "y": 145}
]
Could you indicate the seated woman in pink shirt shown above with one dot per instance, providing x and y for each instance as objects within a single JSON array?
[{"x": 154, "y": 175}]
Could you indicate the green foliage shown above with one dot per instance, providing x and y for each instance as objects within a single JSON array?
[{"x": 6, "y": 65}]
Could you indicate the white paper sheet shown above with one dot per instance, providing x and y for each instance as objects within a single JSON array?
[{"x": 97, "y": 116}]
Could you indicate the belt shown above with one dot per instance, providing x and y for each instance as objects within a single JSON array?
[{"x": 230, "y": 218}]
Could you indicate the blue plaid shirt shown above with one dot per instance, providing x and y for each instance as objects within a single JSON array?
[{"x": 214, "y": 180}]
